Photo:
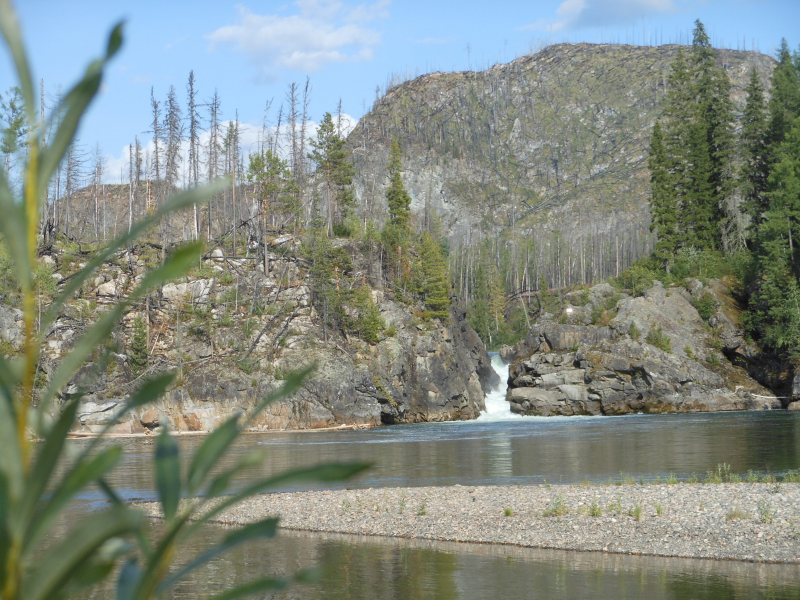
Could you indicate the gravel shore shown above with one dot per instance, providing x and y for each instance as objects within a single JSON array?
[{"x": 741, "y": 521}]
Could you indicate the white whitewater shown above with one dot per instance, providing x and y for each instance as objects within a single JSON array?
[{"x": 497, "y": 407}]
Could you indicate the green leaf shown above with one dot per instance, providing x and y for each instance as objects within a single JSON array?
[
  {"x": 293, "y": 383},
  {"x": 12, "y": 33},
  {"x": 168, "y": 474},
  {"x": 5, "y": 537},
  {"x": 10, "y": 454},
  {"x": 151, "y": 390},
  {"x": 46, "y": 460},
  {"x": 176, "y": 265},
  {"x": 128, "y": 582},
  {"x": 209, "y": 453},
  {"x": 219, "y": 485},
  {"x": 73, "y": 107},
  {"x": 268, "y": 584},
  {"x": 13, "y": 227},
  {"x": 54, "y": 571},
  {"x": 325, "y": 473},
  {"x": 262, "y": 529},
  {"x": 103, "y": 563},
  {"x": 175, "y": 203},
  {"x": 114, "y": 40},
  {"x": 86, "y": 471}
]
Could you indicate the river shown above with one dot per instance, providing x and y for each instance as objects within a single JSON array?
[{"x": 500, "y": 449}]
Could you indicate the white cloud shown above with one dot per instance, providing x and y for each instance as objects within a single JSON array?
[
  {"x": 324, "y": 31},
  {"x": 431, "y": 40},
  {"x": 582, "y": 14}
]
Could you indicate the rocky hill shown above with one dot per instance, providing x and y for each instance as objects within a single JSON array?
[
  {"x": 551, "y": 147},
  {"x": 652, "y": 353},
  {"x": 233, "y": 331}
]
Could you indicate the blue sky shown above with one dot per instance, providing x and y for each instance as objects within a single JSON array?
[{"x": 251, "y": 50}]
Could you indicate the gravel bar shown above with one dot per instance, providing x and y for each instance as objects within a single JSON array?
[{"x": 715, "y": 521}]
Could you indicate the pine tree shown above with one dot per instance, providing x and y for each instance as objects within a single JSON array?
[
  {"x": 337, "y": 171},
  {"x": 370, "y": 323},
  {"x": 784, "y": 105},
  {"x": 396, "y": 195},
  {"x": 172, "y": 129},
  {"x": 436, "y": 287},
  {"x": 139, "y": 350},
  {"x": 663, "y": 202},
  {"x": 774, "y": 310},
  {"x": 700, "y": 206},
  {"x": 712, "y": 93},
  {"x": 14, "y": 120},
  {"x": 692, "y": 177},
  {"x": 754, "y": 169},
  {"x": 676, "y": 126}
]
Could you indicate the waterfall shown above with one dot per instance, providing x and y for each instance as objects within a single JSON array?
[{"x": 497, "y": 407}]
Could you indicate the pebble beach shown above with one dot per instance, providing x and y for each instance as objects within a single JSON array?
[{"x": 754, "y": 522}]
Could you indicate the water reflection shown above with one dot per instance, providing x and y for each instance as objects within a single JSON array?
[
  {"x": 524, "y": 451},
  {"x": 360, "y": 567},
  {"x": 529, "y": 451}
]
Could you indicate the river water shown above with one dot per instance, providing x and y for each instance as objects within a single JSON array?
[{"x": 497, "y": 449}]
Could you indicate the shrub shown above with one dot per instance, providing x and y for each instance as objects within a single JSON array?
[
  {"x": 595, "y": 510},
  {"x": 706, "y": 306},
  {"x": 634, "y": 332},
  {"x": 656, "y": 337},
  {"x": 736, "y": 513},
  {"x": 557, "y": 508},
  {"x": 637, "y": 279},
  {"x": 766, "y": 514}
]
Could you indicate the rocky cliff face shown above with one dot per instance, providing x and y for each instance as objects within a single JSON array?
[
  {"x": 420, "y": 369},
  {"x": 552, "y": 146},
  {"x": 656, "y": 355}
]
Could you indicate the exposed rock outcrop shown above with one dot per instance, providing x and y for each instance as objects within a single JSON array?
[
  {"x": 657, "y": 355},
  {"x": 420, "y": 369}
]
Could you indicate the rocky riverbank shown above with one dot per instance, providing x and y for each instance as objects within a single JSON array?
[
  {"x": 609, "y": 353},
  {"x": 741, "y": 521},
  {"x": 236, "y": 326}
]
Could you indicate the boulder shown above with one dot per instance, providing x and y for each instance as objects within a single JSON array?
[{"x": 572, "y": 369}]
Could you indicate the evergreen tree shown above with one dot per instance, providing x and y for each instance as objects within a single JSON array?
[
  {"x": 370, "y": 323},
  {"x": 139, "y": 351},
  {"x": 754, "y": 169},
  {"x": 692, "y": 156},
  {"x": 172, "y": 128},
  {"x": 337, "y": 171},
  {"x": 14, "y": 120},
  {"x": 714, "y": 121},
  {"x": 663, "y": 201},
  {"x": 774, "y": 309},
  {"x": 700, "y": 205},
  {"x": 784, "y": 105},
  {"x": 677, "y": 120},
  {"x": 396, "y": 195},
  {"x": 715, "y": 113},
  {"x": 436, "y": 288}
]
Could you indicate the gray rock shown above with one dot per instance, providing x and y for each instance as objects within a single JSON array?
[{"x": 612, "y": 374}]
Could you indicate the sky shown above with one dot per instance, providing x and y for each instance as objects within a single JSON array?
[{"x": 250, "y": 51}]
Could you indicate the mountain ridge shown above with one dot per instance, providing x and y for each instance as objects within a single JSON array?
[{"x": 552, "y": 144}]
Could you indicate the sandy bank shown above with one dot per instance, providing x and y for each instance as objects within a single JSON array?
[{"x": 722, "y": 521}]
